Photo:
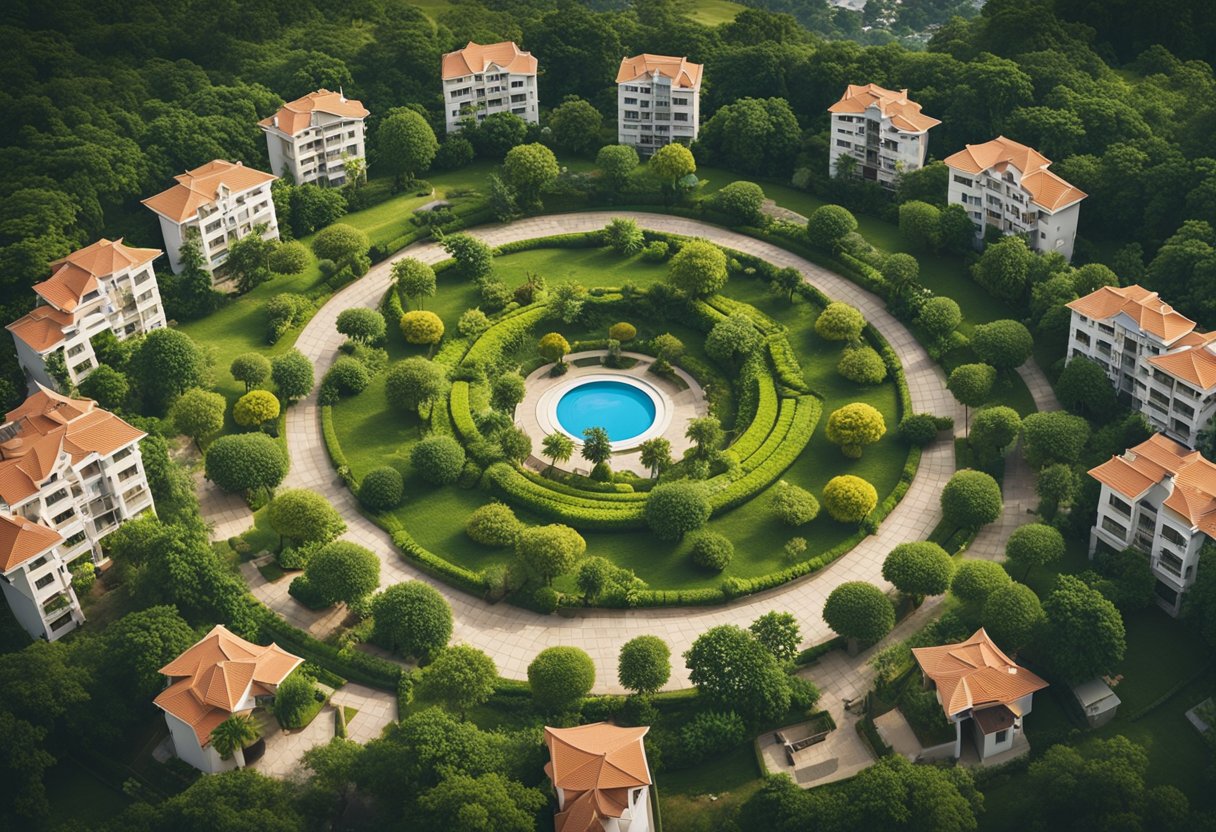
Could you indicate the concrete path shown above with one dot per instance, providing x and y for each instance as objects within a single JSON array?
[{"x": 513, "y": 636}]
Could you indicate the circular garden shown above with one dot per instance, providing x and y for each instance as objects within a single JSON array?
[{"x": 781, "y": 452}]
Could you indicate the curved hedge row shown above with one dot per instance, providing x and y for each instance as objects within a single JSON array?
[
  {"x": 515, "y": 324},
  {"x": 589, "y": 512},
  {"x": 762, "y": 422},
  {"x": 785, "y": 364},
  {"x": 462, "y": 414},
  {"x": 780, "y": 450},
  {"x": 730, "y": 306},
  {"x": 619, "y": 492}
]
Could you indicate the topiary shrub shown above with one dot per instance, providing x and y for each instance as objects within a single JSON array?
[
  {"x": 675, "y": 509},
  {"x": 494, "y": 524},
  {"x": 710, "y": 733},
  {"x": 559, "y": 677},
  {"x": 793, "y": 505},
  {"x": 438, "y": 459},
  {"x": 340, "y": 571},
  {"x": 828, "y": 225},
  {"x": 421, "y": 327},
  {"x": 740, "y": 201},
  {"x": 547, "y": 599},
  {"x": 859, "y": 612},
  {"x": 412, "y": 619},
  {"x": 656, "y": 252},
  {"x": 245, "y": 461},
  {"x": 382, "y": 488},
  {"x": 975, "y": 580},
  {"x": 862, "y": 365},
  {"x": 854, "y": 426},
  {"x": 622, "y": 332},
  {"x": 255, "y": 408},
  {"x": 347, "y": 377},
  {"x": 840, "y": 322},
  {"x": 849, "y": 499},
  {"x": 711, "y": 550},
  {"x": 918, "y": 569},
  {"x": 918, "y": 429},
  {"x": 971, "y": 499}
]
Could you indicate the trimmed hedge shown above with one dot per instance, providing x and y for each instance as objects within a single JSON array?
[
  {"x": 730, "y": 306},
  {"x": 780, "y": 449},
  {"x": 429, "y": 562},
  {"x": 462, "y": 414},
  {"x": 762, "y": 422},
  {"x": 591, "y": 512},
  {"x": 516, "y": 324},
  {"x": 334, "y": 447},
  {"x": 354, "y": 665},
  {"x": 785, "y": 364}
]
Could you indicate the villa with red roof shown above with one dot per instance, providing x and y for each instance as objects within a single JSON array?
[
  {"x": 882, "y": 129},
  {"x": 219, "y": 676},
  {"x": 601, "y": 777},
  {"x": 982, "y": 691},
  {"x": 70, "y": 473},
  {"x": 658, "y": 101},
  {"x": 105, "y": 287},
  {"x": 221, "y": 202},
  {"x": 1006, "y": 185},
  {"x": 487, "y": 78},
  {"x": 312, "y": 137}
]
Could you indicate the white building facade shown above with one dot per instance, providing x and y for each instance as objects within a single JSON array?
[
  {"x": 70, "y": 474},
  {"x": 106, "y": 287},
  {"x": 1006, "y": 185},
  {"x": 313, "y": 137},
  {"x": 483, "y": 79},
  {"x": 882, "y": 130},
  {"x": 220, "y": 202},
  {"x": 658, "y": 100}
]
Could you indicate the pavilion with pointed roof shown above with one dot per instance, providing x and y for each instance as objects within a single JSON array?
[{"x": 601, "y": 777}]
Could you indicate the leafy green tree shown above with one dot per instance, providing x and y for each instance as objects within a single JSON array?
[
  {"x": 461, "y": 677},
  {"x": 644, "y": 665},
  {"x": 246, "y": 461},
  {"x": 675, "y": 509},
  {"x": 840, "y": 322},
  {"x": 971, "y": 385},
  {"x": 566, "y": 301},
  {"x": 474, "y": 258},
  {"x": 233, "y": 735},
  {"x": 255, "y": 408},
  {"x": 166, "y": 364},
  {"x": 1085, "y": 390},
  {"x": 422, "y": 327},
  {"x": 706, "y": 434},
  {"x": 1004, "y": 269},
  {"x": 939, "y": 317},
  {"x": 849, "y": 499},
  {"x": 341, "y": 571},
  {"x": 956, "y": 231},
  {"x": 854, "y": 426},
  {"x": 794, "y": 505},
  {"x": 597, "y": 447},
  {"x": 624, "y": 236},
  {"x": 413, "y": 619},
  {"x": 364, "y": 325},
  {"x": 292, "y": 374},
  {"x": 1199, "y": 603},
  {"x": 861, "y": 365},
  {"x": 920, "y": 225},
  {"x": 1053, "y": 437},
  {"x": 576, "y": 125},
  {"x": 507, "y": 391},
  {"x": 139, "y": 644},
  {"x": 593, "y": 577},
  {"x": 293, "y": 697},
  {"x": 1084, "y": 629},
  {"x": 382, "y": 488},
  {"x": 557, "y": 447},
  {"x": 615, "y": 163},
  {"x": 655, "y": 455},
  {"x": 485, "y": 803},
  {"x": 438, "y": 459},
  {"x": 107, "y": 386},
  {"x": 405, "y": 145},
  {"x": 516, "y": 445},
  {"x": 560, "y": 677},
  {"x": 545, "y": 552},
  {"x": 975, "y": 580},
  {"x": 859, "y": 612},
  {"x": 413, "y": 382},
  {"x": 779, "y": 634},
  {"x": 828, "y": 225},
  {"x": 528, "y": 169},
  {"x": 759, "y": 137},
  {"x": 225, "y": 802},
  {"x": 198, "y": 413},
  {"x": 787, "y": 281},
  {"x": 494, "y": 524},
  {"x": 741, "y": 201},
  {"x": 290, "y": 257},
  {"x": 1005, "y": 345},
  {"x": 996, "y": 429},
  {"x": 671, "y": 163},
  {"x": 472, "y": 323},
  {"x": 1056, "y": 486},
  {"x": 24, "y": 764},
  {"x": 1035, "y": 544},
  {"x": 698, "y": 269},
  {"x": 415, "y": 280},
  {"x": 497, "y": 134},
  {"x": 668, "y": 349},
  {"x": 248, "y": 261},
  {"x": 901, "y": 271},
  {"x": 345, "y": 245},
  {"x": 1091, "y": 277},
  {"x": 733, "y": 339},
  {"x": 1012, "y": 616},
  {"x": 553, "y": 347},
  {"x": 251, "y": 369},
  {"x": 918, "y": 569},
  {"x": 304, "y": 516},
  {"x": 971, "y": 499},
  {"x": 734, "y": 671}
]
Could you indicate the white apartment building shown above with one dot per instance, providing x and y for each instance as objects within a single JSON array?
[
  {"x": 601, "y": 777},
  {"x": 882, "y": 129},
  {"x": 70, "y": 473},
  {"x": 658, "y": 101},
  {"x": 105, "y": 287},
  {"x": 1007, "y": 185},
  {"x": 1160, "y": 498},
  {"x": 1152, "y": 354},
  {"x": 483, "y": 79},
  {"x": 312, "y": 137},
  {"x": 221, "y": 202}
]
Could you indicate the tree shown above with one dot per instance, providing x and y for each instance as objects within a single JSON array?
[
  {"x": 794, "y": 505},
  {"x": 557, "y": 447},
  {"x": 506, "y": 392},
  {"x": 494, "y": 524},
  {"x": 644, "y": 665},
  {"x": 712, "y": 550},
  {"x": 472, "y": 323},
  {"x": 529, "y": 168},
  {"x": 248, "y": 261},
  {"x": 939, "y": 317},
  {"x": 734, "y": 671},
  {"x": 901, "y": 271},
  {"x": 405, "y": 145},
  {"x": 566, "y": 301},
  {"x": 382, "y": 488},
  {"x": 918, "y": 569},
  {"x": 975, "y": 580},
  {"x": 677, "y": 508},
  {"x": 415, "y": 280},
  {"x": 920, "y": 225},
  {"x": 787, "y": 281},
  {"x": 616, "y": 162},
  {"x": 420, "y": 327},
  {"x": 473, "y": 257},
  {"x": 304, "y": 516},
  {"x": 139, "y": 644},
  {"x": 861, "y": 365},
  {"x": 1035, "y": 544},
  {"x": 293, "y": 697},
  {"x": 1199, "y": 602},
  {"x": 560, "y": 677},
  {"x": 956, "y": 231},
  {"x": 576, "y": 125},
  {"x": 1004, "y": 269},
  {"x": 859, "y": 612},
  {"x": 250, "y": 368},
  {"x": 624, "y": 236},
  {"x": 732, "y": 339},
  {"x": 198, "y": 413},
  {"x": 166, "y": 364},
  {"x": 106, "y": 386},
  {"x": 671, "y": 163},
  {"x": 498, "y": 133},
  {"x": 1084, "y": 629},
  {"x": 1012, "y": 616},
  {"x": 655, "y": 455},
  {"x": 553, "y": 347},
  {"x": 849, "y": 499},
  {"x": 828, "y": 225},
  {"x": 971, "y": 499},
  {"x": 597, "y": 447},
  {"x": 1004, "y": 344},
  {"x": 486, "y": 803},
  {"x": 971, "y": 385},
  {"x": 840, "y": 322},
  {"x": 706, "y": 434},
  {"x": 462, "y": 677},
  {"x": 244, "y": 462},
  {"x": 361, "y": 324},
  {"x": 413, "y": 382},
  {"x": 544, "y": 552},
  {"x": 292, "y": 374},
  {"x": 593, "y": 577},
  {"x": 1085, "y": 390},
  {"x": 753, "y": 136},
  {"x": 698, "y": 269},
  {"x": 345, "y": 245},
  {"x": 255, "y": 408},
  {"x": 438, "y": 459},
  {"x": 1056, "y": 486},
  {"x": 231, "y": 736},
  {"x": 778, "y": 633},
  {"x": 668, "y": 348},
  {"x": 515, "y": 443},
  {"x": 854, "y": 426},
  {"x": 413, "y": 619},
  {"x": 1091, "y": 277},
  {"x": 341, "y": 571},
  {"x": 290, "y": 257},
  {"x": 1053, "y": 437},
  {"x": 996, "y": 429},
  {"x": 742, "y": 202}
]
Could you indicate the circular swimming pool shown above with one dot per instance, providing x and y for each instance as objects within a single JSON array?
[{"x": 622, "y": 409}]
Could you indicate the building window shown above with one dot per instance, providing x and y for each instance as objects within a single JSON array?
[
  {"x": 679, "y": 101},
  {"x": 1171, "y": 534},
  {"x": 1120, "y": 505},
  {"x": 60, "y": 519},
  {"x": 45, "y": 580},
  {"x": 1001, "y": 736},
  {"x": 62, "y": 622},
  {"x": 1114, "y": 528}
]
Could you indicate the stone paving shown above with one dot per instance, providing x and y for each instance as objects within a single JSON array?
[{"x": 513, "y": 636}]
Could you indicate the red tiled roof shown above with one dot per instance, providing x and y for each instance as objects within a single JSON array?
[
  {"x": 904, "y": 113},
  {"x": 42, "y": 329},
  {"x": 201, "y": 186},
  {"x": 1146, "y": 308},
  {"x": 21, "y": 540},
  {"x": 296, "y": 115},
  {"x": 1045, "y": 188},
  {"x": 683, "y": 73},
  {"x": 975, "y": 673},
  {"x": 476, "y": 58},
  {"x": 595, "y": 766}
]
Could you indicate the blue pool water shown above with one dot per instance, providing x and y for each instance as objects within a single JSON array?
[{"x": 621, "y": 409}]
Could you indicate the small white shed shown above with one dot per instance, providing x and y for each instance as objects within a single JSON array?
[{"x": 1097, "y": 701}]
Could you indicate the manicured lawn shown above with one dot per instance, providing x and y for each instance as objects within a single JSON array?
[
  {"x": 714, "y": 12},
  {"x": 685, "y": 796}
]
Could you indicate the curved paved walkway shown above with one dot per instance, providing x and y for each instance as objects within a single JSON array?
[{"x": 513, "y": 636}]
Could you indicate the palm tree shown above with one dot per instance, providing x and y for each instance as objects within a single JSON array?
[
  {"x": 656, "y": 455},
  {"x": 597, "y": 447},
  {"x": 231, "y": 736},
  {"x": 557, "y": 447}
]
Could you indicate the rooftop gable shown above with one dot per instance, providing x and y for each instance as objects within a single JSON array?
[
  {"x": 595, "y": 766},
  {"x": 476, "y": 58},
  {"x": 22, "y": 540},
  {"x": 682, "y": 72},
  {"x": 295, "y": 116},
  {"x": 975, "y": 673},
  {"x": 904, "y": 113},
  {"x": 1046, "y": 189},
  {"x": 1144, "y": 307},
  {"x": 201, "y": 186}
]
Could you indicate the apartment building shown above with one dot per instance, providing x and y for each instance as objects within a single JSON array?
[
  {"x": 601, "y": 777},
  {"x": 1007, "y": 186},
  {"x": 658, "y": 101},
  {"x": 884, "y": 131},
  {"x": 70, "y": 473},
  {"x": 1160, "y": 498},
  {"x": 220, "y": 202},
  {"x": 1152, "y": 354},
  {"x": 105, "y": 287},
  {"x": 312, "y": 137},
  {"x": 483, "y": 79}
]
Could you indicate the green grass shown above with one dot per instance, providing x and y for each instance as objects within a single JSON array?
[
  {"x": 349, "y": 713},
  {"x": 714, "y": 12},
  {"x": 76, "y": 796},
  {"x": 684, "y": 796}
]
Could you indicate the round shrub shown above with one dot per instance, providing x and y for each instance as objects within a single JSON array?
[
  {"x": 304, "y": 516},
  {"x": 644, "y": 664},
  {"x": 245, "y": 461},
  {"x": 1012, "y": 615},
  {"x": 828, "y": 224},
  {"x": 1035, "y": 544},
  {"x": 413, "y": 382},
  {"x": 347, "y": 377},
  {"x": 675, "y": 509},
  {"x": 918, "y": 429},
  {"x": 438, "y": 459},
  {"x": 1003, "y": 344},
  {"x": 382, "y": 488},
  {"x": 412, "y": 618},
  {"x": 250, "y": 368},
  {"x": 698, "y": 269},
  {"x": 854, "y": 426},
  {"x": 793, "y": 505},
  {"x": 341, "y": 571},
  {"x": 975, "y": 580},
  {"x": 741, "y": 201},
  {"x": 362, "y": 324},
  {"x": 862, "y": 365},
  {"x": 494, "y": 524},
  {"x": 711, "y": 550},
  {"x": 560, "y": 677},
  {"x": 544, "y": 552},
  {"x": 547, "y": 599},
  {"x": 421, "y": 327},
  {"x": 939, "y": 317},
  {"x": 255, "y": 408},
  {"x": 849, "y": 499},
  {"x": 622, "y": 332},
  {"x": 918, "y": 569},
  {"x": 861, "y": 611},
  {"x": 971, "y": 499},
  {"x": 840, "y": 322}
]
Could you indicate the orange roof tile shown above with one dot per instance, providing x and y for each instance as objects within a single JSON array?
[
  {"x": 66, "y": 287},
  {"x": 1146, "y": 308},
  {"x": 681, "y": 71},
  {"x": 595, "y": 766},
  {"x": 296, "y": 115},
  {"x": 201, "y": 186},
  {"x": 975, "y": 673},
  {"x": 1157, "y": 459},
  {"x": 477, "y": 57},
  {"x": 42, "y": 329},
  {"x": 106, "y": 257},
  {"x": 904, "y": 114},
  {"x": 22, "y": 539},
  {"x": 1045, "y": 188},
  {"x": 212, "y": 677},
  {"x": 1124, "y": 477}
]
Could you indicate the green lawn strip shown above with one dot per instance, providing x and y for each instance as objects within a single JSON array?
[
  {"x": 714, "y": 12},
  {"x": 684, "y": 796}
]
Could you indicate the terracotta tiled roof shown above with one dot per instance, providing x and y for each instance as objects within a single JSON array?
[
  {"x": 1146, "y": 308},
  {"x": 296, "y": 115},
  {"x": 975, "y": 674},
  {"x": 1196, "y": 365},
  {"x": 106, "y": 257},
  {"x": 681, "y": 71},
  {"x": 66, "y": 287},
  {"x": 213, "y": 677},
  {"x": 595, "y": 766},
  {"x": 904, "y": 114},
  {"x": 1045, "y": 188},
  {"x": 22, "y": 539},
  {"x": 42, "y": 329},
  {"x": 1156, "y": 460},
  {"x": 476, "y": 58},
  {"x": 199, "y": 187}
]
